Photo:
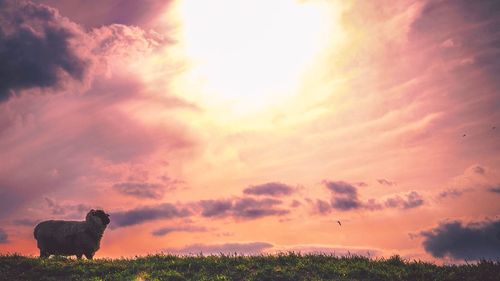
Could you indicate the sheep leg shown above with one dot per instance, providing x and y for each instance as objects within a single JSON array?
[
  {"x": 89, "y": 255},
  {"x": 44, "y": 254}
]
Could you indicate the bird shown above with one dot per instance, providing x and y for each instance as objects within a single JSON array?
[
  {"x": 463, "y": 135},
  {"x": 493, "y": 128},
  {"x": 339, "y": 223}
]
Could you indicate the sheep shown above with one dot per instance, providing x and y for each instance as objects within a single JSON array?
[{"x": 67, "y": 238}]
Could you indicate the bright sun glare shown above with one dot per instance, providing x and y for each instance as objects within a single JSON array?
[{"x": 251, "y": 54}]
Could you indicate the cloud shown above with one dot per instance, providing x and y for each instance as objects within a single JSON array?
[
  {"x": 250, "y": 208},
  {"x": 413, "y": 200},
  {"x": 42, "y": 52},
  {"x": 3, "y": 237},
  {"x": 169, "y": 229},
  {"x": 252, "y": 248},
  {"x": 452, "y": 193},
  {"x": 386, "y": 182},
  {"x": 322, "y": 207},
  {"x": 472, "y": 24},
  {"x": 215, "y": 208},
  {"x": 241, "y": 208},
  {"x": 341, "y": 187},
  {"x": 474, "y": 241},
  {"x": 295, "y": 204},
  {"x": 26, "y": 222},
  {"x": 346, "y": 204},
  {"x": 345, "y": 195},
  {"x": 105, "y": 12},
  {"x": 140, "y": 189},
  {"x": 146, "y": 214},
  {"x": 66, "y": 209},
  {"x": 494, "y": 189},
  {"x": 479, "y": 170},
  {"x": 271, "y": 188},
  {"x": 38, "y": 48},
  {"x": 345, "y": 198}
]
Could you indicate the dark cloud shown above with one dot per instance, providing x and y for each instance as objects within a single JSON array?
[
  {"x": 345, "y": 195},
  {"x": 494, "y": 189},
  {"x": 242, "y": 208},
  {"x": 146, "y": 214},
  {"x": 412, "y": 200},
  {"x": 250, "y": 208},
  {"x": 3, "y": 237},
  {"x": 472, "y": 242},
  {"x": 169, "y": 229},
  {"x": 473, "y": 25},
  {"x": 270, "y": 188},
  {"x": 37, "y": 48},
  {"x": 386, "y": 182},
  {"x": 105, "y": 12},
  {"x": 215, "y": 208},
  {"x": 451, "y": 193},
  {"x": 252, "y": 248},
  {"x": 340, "y": 187},
  {"x": 140, "y": 189},
  {"x": 346, "y": 204}
]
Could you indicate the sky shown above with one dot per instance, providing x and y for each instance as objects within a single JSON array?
[{"x": 256, "y": 127}]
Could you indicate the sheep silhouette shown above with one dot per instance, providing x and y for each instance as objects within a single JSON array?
[{"x": 67, "y": 238}]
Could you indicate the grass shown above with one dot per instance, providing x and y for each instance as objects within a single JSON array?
[{"x": 289, "y": 266}]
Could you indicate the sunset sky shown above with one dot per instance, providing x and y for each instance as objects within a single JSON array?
[{"x": 254, "y": 126}]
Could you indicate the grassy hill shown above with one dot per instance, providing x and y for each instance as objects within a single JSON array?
[{"x": 277, "y": 267}]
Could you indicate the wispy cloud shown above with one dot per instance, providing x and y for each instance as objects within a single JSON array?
[
  {"x": 147, "y": 213},
  {"x": 141, "y": 189},
  {"x": 185, "y": 228},
  {"x": 271, "y": 189}
]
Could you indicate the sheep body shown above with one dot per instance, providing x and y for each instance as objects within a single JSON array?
[{"x": 57, "y": 237}]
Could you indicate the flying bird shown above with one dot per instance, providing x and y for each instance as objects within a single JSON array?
[
  {"x": 463, "y": 135},
  {"x": 339, "y": 223},
  {"x": 493, "y": 128}
]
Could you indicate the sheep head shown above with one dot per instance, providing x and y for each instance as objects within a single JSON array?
[{"x": 98, "y": 217}]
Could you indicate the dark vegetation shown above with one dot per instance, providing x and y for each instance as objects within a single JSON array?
[{"x": 289, "y": 266}]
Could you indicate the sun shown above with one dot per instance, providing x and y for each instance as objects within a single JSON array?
[{"x": 250, "y": 55}]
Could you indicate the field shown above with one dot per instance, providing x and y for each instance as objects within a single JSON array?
[{"x": 289, "y": 266}]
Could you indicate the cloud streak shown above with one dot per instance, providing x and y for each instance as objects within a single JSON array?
[
  {"x": 141, "y": 215},
  {"x": 170, "y": 229},
  {"x": 140, "y": 189},
  {"x": 274, "y": 189}
]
